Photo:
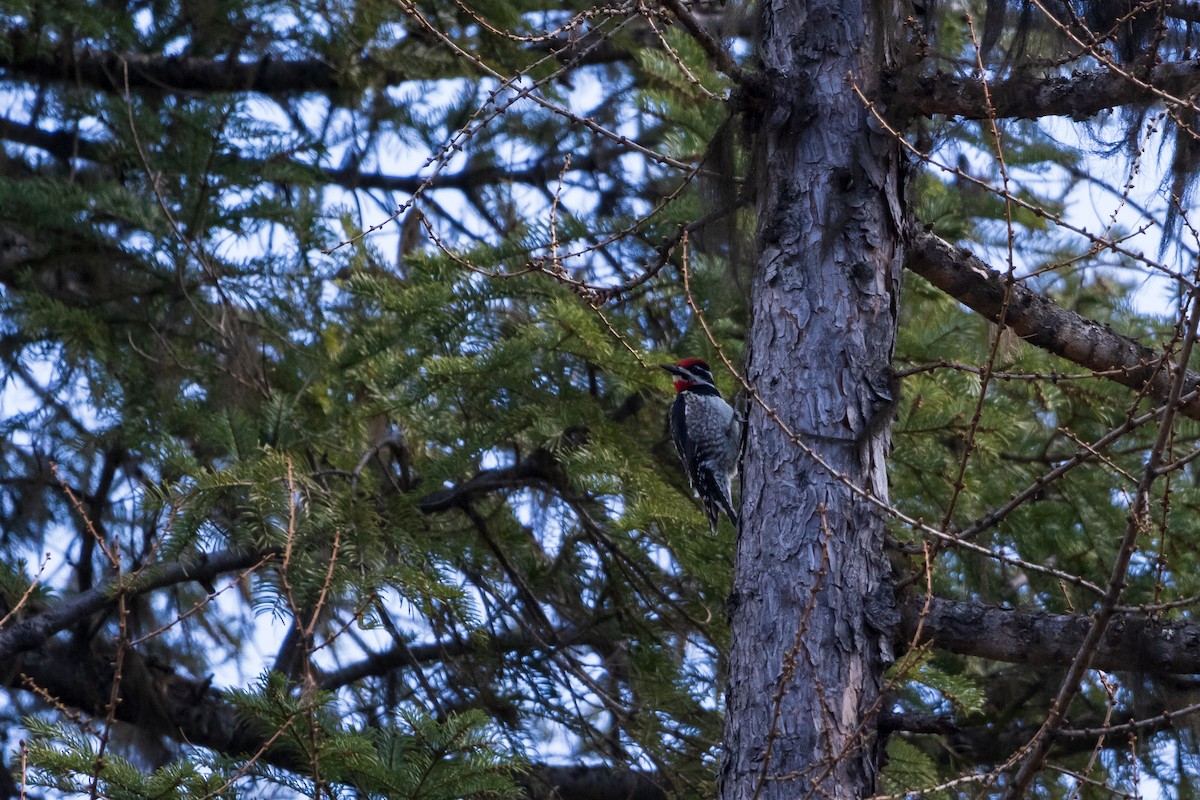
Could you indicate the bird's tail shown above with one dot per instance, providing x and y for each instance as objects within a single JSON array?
[{"x": 720, "y": 502}]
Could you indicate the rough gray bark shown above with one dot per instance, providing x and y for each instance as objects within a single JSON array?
[{"x": 808, "y": 653}]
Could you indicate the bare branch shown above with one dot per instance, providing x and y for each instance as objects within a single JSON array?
[
  {"x": 1079, "y": 96},
  {"x": 538, "y": 467},
  {"x": 1130, "y": 643},
  {"x": 1043, "y": 323}
]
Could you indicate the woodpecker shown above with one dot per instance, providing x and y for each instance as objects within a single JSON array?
[{"x": 707, "y": 434}]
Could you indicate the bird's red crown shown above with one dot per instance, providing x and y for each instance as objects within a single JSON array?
[{"x": 682, "y": 383}]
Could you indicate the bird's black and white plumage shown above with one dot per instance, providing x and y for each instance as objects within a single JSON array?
[{"x": 707, "y": 434}]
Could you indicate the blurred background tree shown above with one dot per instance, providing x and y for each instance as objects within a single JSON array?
[{"x": 335, "y": 459}]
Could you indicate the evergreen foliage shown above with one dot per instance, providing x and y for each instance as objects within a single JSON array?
[{"x": 386, "y": 337}]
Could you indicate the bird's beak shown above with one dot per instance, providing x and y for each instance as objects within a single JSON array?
[{"x": 675, "y": 370}]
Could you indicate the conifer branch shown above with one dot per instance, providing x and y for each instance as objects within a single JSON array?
[
  {"x": 717, "y": 52},
  {"x": 517, "y": 641},
  {"x": 34, "y": 630},
  {"x": 192, "y": 712},
  {"x": 66, "y": 146},
  {"x": 105, "y": 70}
]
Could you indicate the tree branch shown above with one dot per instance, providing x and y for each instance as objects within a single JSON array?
[
  {"x": 66, "y": 146},
  {"x": 1131, "y": 643},
  {"x": 539, "y": 466},
  {"x": 106, "y": 70},
  {"x": 395, "y": 658},
  {"x": 269, "y": 74},
  {"x": 1079, "y": 96},
  {"x": 590, "y": 783},
  {"x": 33, "y": 631},
  {"x": 717, "y": 53},
  {"x": 1043, "y": 323},
  {"x": 1185, "y": 10}
]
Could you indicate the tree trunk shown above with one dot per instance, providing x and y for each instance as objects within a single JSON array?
[{"x": 811, "y": 609}]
